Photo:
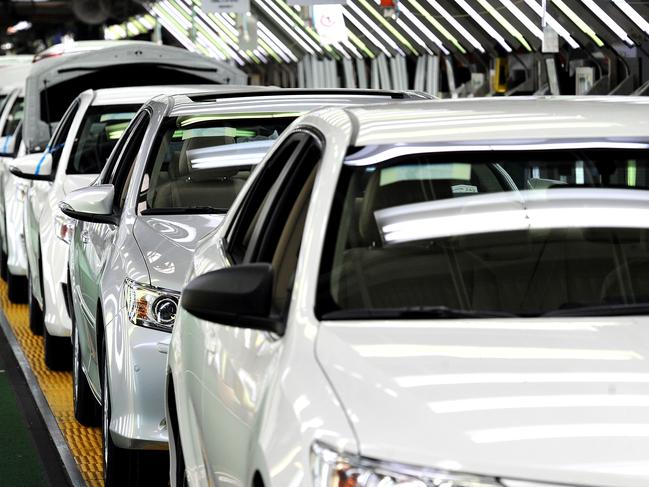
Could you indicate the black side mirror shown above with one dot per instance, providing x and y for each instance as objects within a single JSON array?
[{"x": 238, "y": 296}]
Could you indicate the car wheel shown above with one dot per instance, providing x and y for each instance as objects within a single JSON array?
[
  {"x": 124, "y": 467},
  {"x": 17, "y": 288},
  {"x": 35, "y": 315},
  {"x": 58, "y": 351},
  {"x": 86, "y": 407}
]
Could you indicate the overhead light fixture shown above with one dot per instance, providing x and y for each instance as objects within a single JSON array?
[
  {"x": 632, "y": 14},
  {"x": 382, "y": 20},
  {"x": 376, "y": 28},
  {"x": 278, "y": 16},
  {"x": 368, "y": 35},
  {"x": 503, "y": 21},
  {"x": 608, "y": 21},
  {"x": 551, "y": 21},
  {"x": 414, "y": 36},
  {"x": 522, "y": 18},
  {"x": 484, "y": 24},
  {"x": 458, "y": 27},
  {"x": 434, "y": 22},
  {"x": 425, "y": 30},
  {"x": 583, "y": 26}
]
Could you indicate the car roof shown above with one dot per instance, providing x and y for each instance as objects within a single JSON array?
[
  {"x": 141, "y": 94},
  {"x": 77, "y": 47},
  {"x": 515, "y": 119},
  {"x": 269, "y": 99}
]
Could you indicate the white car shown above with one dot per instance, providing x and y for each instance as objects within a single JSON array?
[
  {"x": 181, "y": 163},
  {"x": 390, "y": 302},
  {"x": 55, "y": 81},
  {"x": 76, "y": 155}
]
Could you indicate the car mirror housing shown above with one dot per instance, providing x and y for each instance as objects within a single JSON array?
[
  {"x": 37, "y": 167},
  {"x": 238, "y": 296},
  {"x": 92, "y": 204}
]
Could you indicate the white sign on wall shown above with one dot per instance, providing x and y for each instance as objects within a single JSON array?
[
  {"x": 329, "y": 23},
  {"x": 226, "y": 6}
]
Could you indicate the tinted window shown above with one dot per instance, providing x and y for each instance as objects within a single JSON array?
[
  {"x": 14, "y": 118},
  {"x": 512, "y": 234},
  {"x": 202, "y": 162},
  {"x": 100, "y": 130}
]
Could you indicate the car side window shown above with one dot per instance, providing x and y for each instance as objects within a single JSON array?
[
  {"x": 55, "y": 147},
  {"x": 125, "y": 164},
  {"x": 109, "y": 171},
  {"x": 240, "y": 236},
  {"x": 278, "y": 232}
]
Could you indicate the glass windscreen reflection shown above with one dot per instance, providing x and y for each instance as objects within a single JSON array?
[{"x": 489, "y": 234}]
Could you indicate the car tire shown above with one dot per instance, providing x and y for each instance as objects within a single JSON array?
[
  {"x": 36, "y": 319},
  {"x": 86, "y": 408},
  {"x": 58, "y": 351},
  {"x": 3, "y": 265},
  {"x": 17, "y": 288},
  {"x": 124, "y": 467},
  {"x": 178, "y": 468}
]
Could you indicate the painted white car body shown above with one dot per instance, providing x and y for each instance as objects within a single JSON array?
[
  {"x": 155, "y": 250},
  {"x": 47, "y": 253},
  {"x": 524, "y": 402}
]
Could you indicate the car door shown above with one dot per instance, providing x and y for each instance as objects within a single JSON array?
[
  {"x": 37, "y": 197},
  {"x": 238, "y": 363},
  {"x": 94, "y": 241}
]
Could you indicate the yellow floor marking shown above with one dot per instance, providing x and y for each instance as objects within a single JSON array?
[{"x": 84, "y": 443}]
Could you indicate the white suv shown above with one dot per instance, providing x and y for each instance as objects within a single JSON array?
[{"x": 393, "y": 301}]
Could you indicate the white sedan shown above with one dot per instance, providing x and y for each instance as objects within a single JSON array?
[{"x": 425, "y": 294}]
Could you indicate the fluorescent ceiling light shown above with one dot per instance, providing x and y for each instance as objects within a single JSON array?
[
  {"x": 585, "y": 28},
  {"x": 608, "y": 21},
  {"x": 522, "y": 18},
  {"x": 376, "y": 28},
  {"x": 438, "y": 26},
  {"x": 551, "y": 21},
  {"x": 382, "y": 20},
  {"x": 368, "y": 35},
  {"x": 632, "y": 14},
  {"x": 420, "y": 25},
  {"x": 414, "y": 36},
  {"x": 449, "y": 18},
  {"x": 503, "y": 21},
  {"x": 479, "y": 19}
]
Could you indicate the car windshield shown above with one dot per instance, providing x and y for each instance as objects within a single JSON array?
[
  {"x": 100, "y": 130},
  {"x": 203, "y": 161},
  {"x": 486, "y": 234}
]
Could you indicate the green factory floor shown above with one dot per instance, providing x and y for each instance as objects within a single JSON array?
[{"x": 27, "y": 454}]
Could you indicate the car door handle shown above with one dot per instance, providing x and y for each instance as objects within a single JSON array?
[{"x": 85, "y": 237}]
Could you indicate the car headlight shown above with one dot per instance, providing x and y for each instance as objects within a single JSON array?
[
  {"x": 332, "y": 469},
  {"x": 149, "y": 306},
  {"x": 63, "y": 227}
]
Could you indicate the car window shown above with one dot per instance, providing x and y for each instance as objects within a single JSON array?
[
  {"x": 436, "y": 234},
  {"x": 109, "y": 172},
  {"x": 101, "y": 128},
  {"x": 16, "y": 113},
  {"x": 56, "y": 144},
  {"x": 245, "y": 220},
  {"x": 202, "y": 162},
  {"x": 126, "y": 163}
]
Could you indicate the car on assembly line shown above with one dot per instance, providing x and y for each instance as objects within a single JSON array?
[
  {"x": 83, "y": 140},
  {"x": 402, "y": 296},
  {"x": 55, "y": 80},
  {"x": 177, "y": 169}
]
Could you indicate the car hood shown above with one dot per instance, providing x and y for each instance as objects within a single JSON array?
[
  {"x": 561, "y": 400},
  {"x": 167, "y": 243}
]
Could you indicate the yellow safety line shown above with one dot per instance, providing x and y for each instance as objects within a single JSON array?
[{"x": 84, "y": 443}]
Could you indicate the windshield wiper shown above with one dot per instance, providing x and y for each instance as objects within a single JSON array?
[
  {"x": 415, "y": 312},
  {"x": 185, "y": 211},
  {"x": 601, "y": 310}
]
